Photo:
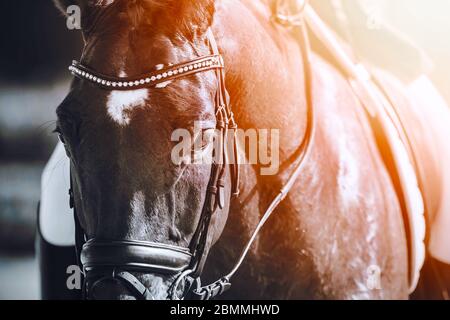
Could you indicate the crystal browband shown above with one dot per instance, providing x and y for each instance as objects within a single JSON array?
[{"x": 171, "y": 72}]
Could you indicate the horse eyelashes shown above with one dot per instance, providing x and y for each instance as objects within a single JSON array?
[{"x": 58, "y": 132}]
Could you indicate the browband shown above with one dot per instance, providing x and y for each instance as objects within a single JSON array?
[{"x": 153, "y": 78}]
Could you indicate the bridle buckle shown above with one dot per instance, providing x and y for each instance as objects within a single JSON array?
[{"x": 213, "y": 290}]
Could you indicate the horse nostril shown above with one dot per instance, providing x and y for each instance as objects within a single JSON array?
[{"x": 110, "y": 290}]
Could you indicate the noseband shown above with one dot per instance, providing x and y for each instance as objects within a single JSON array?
[{"x": 115, "y": 260}]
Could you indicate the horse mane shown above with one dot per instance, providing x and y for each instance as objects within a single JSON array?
[
  {"x": 173, "y": 15},
  {"x": 176, "y": 15},
  {"x": 182, "y": 13}
]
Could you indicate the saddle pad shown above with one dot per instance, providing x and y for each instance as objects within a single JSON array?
[
  {"x": 425, "y": 118},
  {"x": 381, "y": 111},
  {"x": 400, "y": 160},
  {"x": 397, "y": 156}
]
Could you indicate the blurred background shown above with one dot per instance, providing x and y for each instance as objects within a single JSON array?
[{"x": 36, "y": 49}]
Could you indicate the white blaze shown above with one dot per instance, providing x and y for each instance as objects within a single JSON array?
[{"x": 120, "y": 103}]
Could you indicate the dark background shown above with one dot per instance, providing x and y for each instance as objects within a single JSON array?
[
  {"x": 36, "y": 48},
  {"x": 36, "y": 45}
]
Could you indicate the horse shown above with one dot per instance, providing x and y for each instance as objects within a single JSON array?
[{"x": 342, "y": 217}]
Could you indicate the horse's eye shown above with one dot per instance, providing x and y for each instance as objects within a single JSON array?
[
  {"x": 205, "y": 139},
  {"x": 60, "y": 135},
  {"x": 208, "y": 136},
  {"x": 63, "y": 141},
  {"x": 61, "y": 138}
]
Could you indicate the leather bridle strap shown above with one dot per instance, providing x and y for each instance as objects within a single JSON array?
[
  {"x": 215, "y": 198},
  {"x": 79, "y": 234},
  {"x": 217, "y": 288},
  {"x": 136, "y": 288}
]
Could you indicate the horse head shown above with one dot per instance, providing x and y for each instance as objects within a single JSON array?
[{"x": 148, "y": 219}]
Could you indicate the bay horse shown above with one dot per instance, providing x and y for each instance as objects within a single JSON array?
[{"x": 342, "y": 216}]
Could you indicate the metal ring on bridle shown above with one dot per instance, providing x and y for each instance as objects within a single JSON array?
[
  {"x": 290, "y": 19},
  {"x": 176, "y": 284}
]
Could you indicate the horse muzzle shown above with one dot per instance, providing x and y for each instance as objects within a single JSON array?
[{"x": 116, "y": 260}]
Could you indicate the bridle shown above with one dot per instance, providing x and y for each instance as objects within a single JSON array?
[
  {"x": 115, "y": 260},
  {"x": 103, "y": 260}
]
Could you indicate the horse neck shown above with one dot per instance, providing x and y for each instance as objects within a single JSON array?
[
  {"x": 265, "y": 74},
  {"x": 265, "y": 80}
]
